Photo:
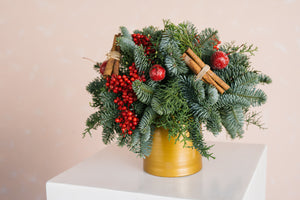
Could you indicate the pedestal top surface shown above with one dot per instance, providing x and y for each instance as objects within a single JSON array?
[{"x": 115, "y": 168}]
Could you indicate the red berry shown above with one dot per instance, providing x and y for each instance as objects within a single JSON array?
[
  {"x": 219, "y": 60},
  {"x": 157, "y": 73}
]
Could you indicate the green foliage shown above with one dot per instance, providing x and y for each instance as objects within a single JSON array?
[
  {"x": 139, "y": 107},
  {"x": 230, "y": 48},
  {"x": 179, "y": 103},
  {"x": 233, "y": 120},
  {"x": 207, "y": 38},
  {"x": 127, "y": 47},
  {"x": 255, "y": 119},
  {"x": 256, "y": 97},
  {"x": 139, "y": 145},
  {"x": 125, "y": 33},
  {"x": 197, "y": 139},
  {"x": 146, "y": 122},
  {"x": 185, "y": 33},
  {"x": 92, "y": 123},
  {"x": 173, "y": 61},
  {"x": 166, "y": 98},
  {"x": 97, "y": 67},
  {"x": 173, "y": 109},
  {"x": 202, "y": 101},
  {"x": 262, "y": 78},
  {"x": 141, "y": 61},
  {"x": 143, "y": 92}
]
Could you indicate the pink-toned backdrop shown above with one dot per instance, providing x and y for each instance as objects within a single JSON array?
[{"x": 43, "y": 102}]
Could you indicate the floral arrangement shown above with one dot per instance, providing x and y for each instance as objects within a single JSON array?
[{"x": 176, "y": 78}]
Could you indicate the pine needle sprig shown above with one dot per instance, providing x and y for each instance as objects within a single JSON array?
[{"x": 144, "y": 92}]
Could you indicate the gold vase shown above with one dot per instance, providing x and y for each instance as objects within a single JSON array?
[{"x": 168, "y": 159}]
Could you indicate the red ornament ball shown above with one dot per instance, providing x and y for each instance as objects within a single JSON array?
[
  {"x": 219, "y": 60},
  {"x": 157, "y": 73},
  {"x": 102, "y": 67}
]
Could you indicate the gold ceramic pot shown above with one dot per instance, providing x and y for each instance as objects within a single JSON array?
[{"x": 168, "y": 159}]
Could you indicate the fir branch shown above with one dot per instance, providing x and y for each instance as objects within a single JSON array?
[
  {"x": 166, "y": 98},
  {"x": 107, "y": 99},
  {"x": 212, "y": 95},
  {"x": 145, "y": 148},
  {"x": 123, "y": 140},
  {"x": 256, "y": 97},
  {"x": 233, "y": 120},
  {"x": 185, "y": 33},
  {"x": 92, "y": 123},
  {"x": 208, "y": 38},
  {"x": 152, "y": 83},
  {"x": 173, "y": 61},
  {"x": 175, "y": 65},
  {"x": 148, "y": 118},
  {"x": 125, "y": 32},
  {"x": 255, "y": 119},
  {"x": 139, "y": 107},
  {"x": 142, "y": 62},
  {"x": 192, "y": 90},
  {"x": 135, "y": 138},
  {"x": 158, "y": 108},
  {"x": 139, "y": 146},
  {"x": 231, "y": 48},
  {"x": 247, "y": 79},
  {"x": 97, "y": 67},
  {"x": 264, "y": 79},
  {"x": 145, "y": 123},
  {"x": 127, "y": 47},
  {"x": 151, "y": 31},
  {"x": 199, "y": 111},
  {"x": 96, "y": 87},
  {"x": 197, "y": 139},
  {"x": 230, "y": 99},
  {"x": 108, "y": 135},
  {"x": 213, "y": 123},
  {"x": 143, "y": 92}
]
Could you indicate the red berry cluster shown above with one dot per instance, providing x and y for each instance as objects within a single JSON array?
[
  {"x": 140, "y": 39},
  {"x": 216, "y": 45},
  {"x": 123, "y": 85}
]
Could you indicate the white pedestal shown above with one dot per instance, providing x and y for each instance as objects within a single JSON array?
[{"x": 237, "y": 173}]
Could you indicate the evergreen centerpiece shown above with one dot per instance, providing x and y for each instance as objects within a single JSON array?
[{"x": 161, "y": 78}]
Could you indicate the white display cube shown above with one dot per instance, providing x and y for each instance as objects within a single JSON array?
[{"x": 237, "y": 173}]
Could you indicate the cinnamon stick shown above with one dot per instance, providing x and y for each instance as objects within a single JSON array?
[
  {"x": 216, "y": 78},
  {"x": 196, "y": 69},
  {"x": 110, "y": 63},
  {"x": 117, "y": 62}
]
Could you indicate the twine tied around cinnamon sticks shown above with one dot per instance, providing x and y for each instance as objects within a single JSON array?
[
  {"x": 203, "y": 71},
  {"x": 113, "y": 54},
  {"x": 113, "y": 57}
]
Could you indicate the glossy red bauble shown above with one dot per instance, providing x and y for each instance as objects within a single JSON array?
[
  {"x": 157, "y": 73},
  {"x": 219, "y": 60},
  {"x": 102, "y": 67}
]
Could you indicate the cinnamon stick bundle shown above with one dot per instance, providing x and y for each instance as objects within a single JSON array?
[
  {"x": 196, "y": 65},
  {"x": 117, "y": 63},
  {"x": 113, "y": 64}
]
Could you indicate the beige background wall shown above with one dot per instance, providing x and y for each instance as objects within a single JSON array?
[{"x": 43, "y": 102}]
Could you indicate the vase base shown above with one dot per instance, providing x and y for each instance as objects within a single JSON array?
[
  {"x": 171, "y": 159},
  {"x": 173, "y": 171}
]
